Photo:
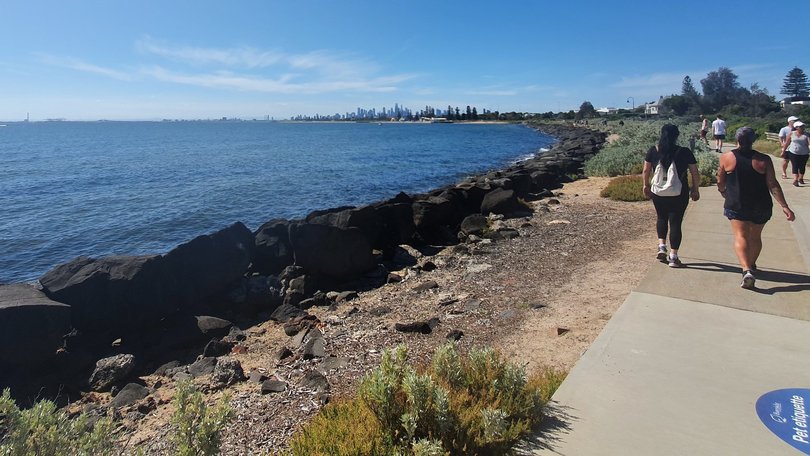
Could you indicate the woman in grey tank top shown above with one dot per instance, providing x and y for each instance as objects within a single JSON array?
[{"x": 797, "y": 149}]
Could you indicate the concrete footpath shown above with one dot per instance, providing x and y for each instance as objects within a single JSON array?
[{"x": 680, "y": 367}]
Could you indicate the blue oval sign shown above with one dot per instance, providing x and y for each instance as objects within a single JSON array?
[{"x": 785, "y": 413}]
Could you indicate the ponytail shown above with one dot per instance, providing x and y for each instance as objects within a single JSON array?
[{"x": 668, "y": 143}]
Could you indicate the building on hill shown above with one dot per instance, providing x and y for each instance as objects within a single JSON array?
[{"x": 653, "y": 108}]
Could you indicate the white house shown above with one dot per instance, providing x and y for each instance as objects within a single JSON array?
[{"x": 654, "y": 107}]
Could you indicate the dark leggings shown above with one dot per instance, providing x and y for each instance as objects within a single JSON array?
[
  {"x": 670, "y": 210},
  {"x": 799, "y": 162}
]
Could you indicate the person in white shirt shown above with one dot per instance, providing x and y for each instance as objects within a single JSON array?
[
  {"x": 719, "y": 132},
  {"x": 784, "y": 134},
  {"x": 704, "y": 128}
]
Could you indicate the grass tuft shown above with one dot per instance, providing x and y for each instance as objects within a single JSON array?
[{"x": 624, "y": 188}]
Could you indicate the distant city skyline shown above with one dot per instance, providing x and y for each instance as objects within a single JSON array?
[{"x": 152, "y": 60}]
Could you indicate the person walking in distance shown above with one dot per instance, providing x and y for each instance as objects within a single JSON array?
[
  {"x": 719, "y": 132},
  {"x": 670, "y": 206},
  {"x": 747, "y": 180},
  {"x": 797, "y": 149},
  {"x": 784, "y": 133},
  {"x": 704, "y": 129}
]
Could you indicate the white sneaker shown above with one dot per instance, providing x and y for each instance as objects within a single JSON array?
[
  {"x": 662, "y": 254},
  {"x": 749, "y": 281},
  {"x": 675, "y": 262}
]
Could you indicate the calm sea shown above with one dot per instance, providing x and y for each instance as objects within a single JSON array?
[{"x": 103, "y": 188}]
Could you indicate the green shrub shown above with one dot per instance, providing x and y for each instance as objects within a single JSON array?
[
  {"x": 707, "y": 163},
  {"x": 480, "y": 404},
  {"x": 626, "y": 155},
  {"x": 45, "y": 430},
  {"x": 335, "y": 432},
  {"x": 198, "y": 428},
  {"x": 624, "y": 188}
]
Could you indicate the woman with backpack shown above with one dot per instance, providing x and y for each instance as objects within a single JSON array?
[{"x": 665, "y": 182}]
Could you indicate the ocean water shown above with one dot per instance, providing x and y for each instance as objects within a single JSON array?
[{"x": 126, "y": 188}]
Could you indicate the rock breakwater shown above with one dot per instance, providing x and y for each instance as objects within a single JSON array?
[{"x": 152, "y": 306}]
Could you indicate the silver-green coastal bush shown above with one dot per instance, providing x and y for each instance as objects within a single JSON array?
[
  {"x": 626, "y": 155},
  {"x": 46, "y": 430}
]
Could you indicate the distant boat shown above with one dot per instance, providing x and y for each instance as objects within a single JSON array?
[{"x": 3, "y": 125}]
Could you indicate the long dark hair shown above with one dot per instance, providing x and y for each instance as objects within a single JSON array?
[{"x": 668, "y": 143}]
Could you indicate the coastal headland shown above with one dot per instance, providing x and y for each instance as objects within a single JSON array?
[{"x": 334, "y": 289}]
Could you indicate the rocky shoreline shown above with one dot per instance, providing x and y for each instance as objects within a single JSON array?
[{"x": 149, "y": 317}]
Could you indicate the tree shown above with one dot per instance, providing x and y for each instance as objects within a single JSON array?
[
  {"x": 688, "y": 90},
  {"x": 690, "y": 96},
  {"x": 450, "y": 112},
  {"x": 679, "y": 104},
  {"x": 474, "y": 113},
  {"x": 795, "y": 84},
  {"x": 760, "y": 102},
  {"x": 586, "y": 109},
  {"x": 720, "y": 89}
]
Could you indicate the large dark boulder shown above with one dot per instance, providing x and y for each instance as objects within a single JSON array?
[
  {"x": 110, "y": 371},
  {"x": 474, "y": 193},
  {"x": 208, "y": 264},
  {"x": 432, "y": 211},
  {"x": 31, "y": 325},
  {"x": 341, "y": 254},
  {"x": 385, "y": 224},
  {"x": 363, "y": 218},
  {"x": 255, "y": 294},
  {"x": 500, "y": 201},
  {"x": 475, "y": 224},
  {"x": 129, "y": 394},
  {"x": 396, "y": 223},
  {"x": 110, "y": 294},
  {"x": 272, "y": 251},
  {"x": 521, "y": 182}
]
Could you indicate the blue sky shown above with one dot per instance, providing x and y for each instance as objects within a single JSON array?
[{"x": 87, "y": 60}]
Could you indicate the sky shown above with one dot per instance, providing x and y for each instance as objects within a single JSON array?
[{"x": 178, "y": 59}]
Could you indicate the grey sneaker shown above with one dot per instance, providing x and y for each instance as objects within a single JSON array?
[
  {"x": 662, "y": 254},
  {"x": 749, "y": 281},
  {"x": 675, "y": 262}
]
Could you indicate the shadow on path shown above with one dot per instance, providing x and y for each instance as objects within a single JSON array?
[
  {"x": 794, "y": 282},
  {"x": 556, "y": 423}
]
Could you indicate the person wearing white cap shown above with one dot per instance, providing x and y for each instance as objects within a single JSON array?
[
  {"x": 783, "y": 136},
  {"x": 797, "y": 150}
]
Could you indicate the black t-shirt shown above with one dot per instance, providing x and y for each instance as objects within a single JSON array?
[{"x": 683, "y": 158}]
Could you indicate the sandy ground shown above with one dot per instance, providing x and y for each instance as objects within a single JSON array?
[{"x": 593, "y": 292}]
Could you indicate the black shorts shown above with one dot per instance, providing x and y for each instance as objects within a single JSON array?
[
  {"x": 757, "y": 217},
  {"x": 719, "y": 136}
]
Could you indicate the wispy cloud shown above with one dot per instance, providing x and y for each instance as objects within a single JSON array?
[
  {"x": 321, "y": 61},
  {"x": 494, "y": 93},
  {"x": 248, "y": 69},
  {"x": 239, "y": 57},
  {"x": 79, "y": 65},
  {"x": 284, "y": 84},
  {"x": 659, "y": 81}
]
